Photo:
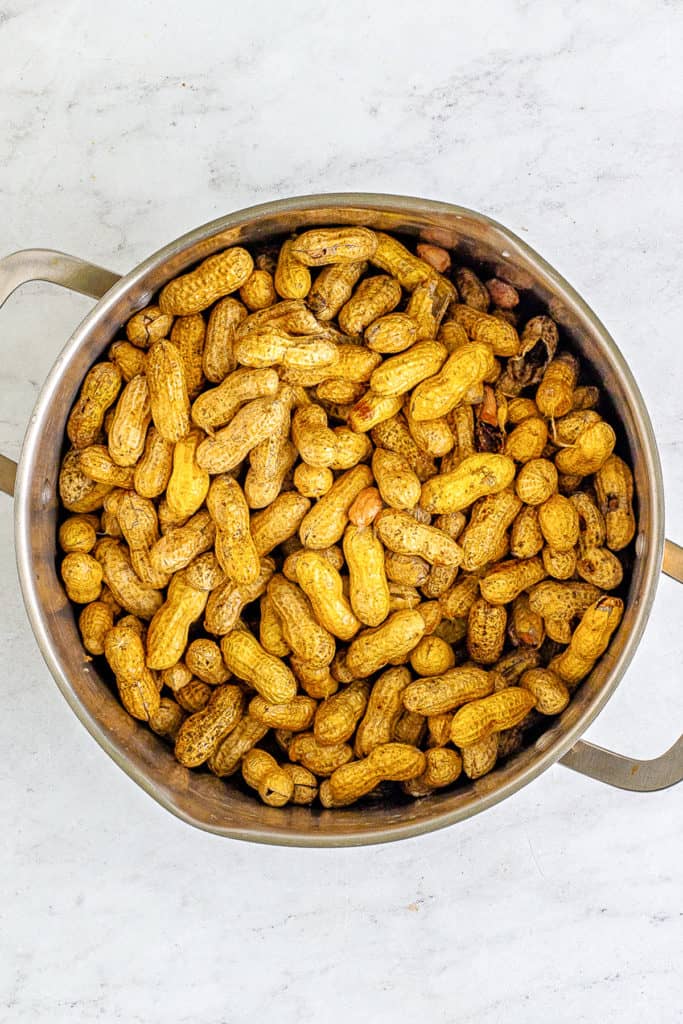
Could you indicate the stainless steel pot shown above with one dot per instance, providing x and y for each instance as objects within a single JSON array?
[{"x": 199, "y": 798}]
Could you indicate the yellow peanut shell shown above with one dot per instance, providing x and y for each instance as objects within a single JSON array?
[
  {"x": 247, "y": 660},
  {"x": 167, "y": 719},
  {"x": 589, "y": 640},
  {"x": 479, "y": 719},
  {"x": 125, "y": 653},
  {"x": 235, "y": 548},
  {"x": 96, "y": 462},
  {"x": 98, "y": 392},
  {"x": 229, "y": 751},
  {"x": 258, "y": 291},
  {"x": 394, "y": 435},
  {"x": 337, "y": 716},
  {"x": 227, "y": 600},
  {"x": 490, "y": 518},
  {"x": 590, "y": 451},
  {"x": 442, "y": 693},
  {"x": 218, "y": 356},
  {"x": 536, "y": 481},
  {"x": 179, "y": 547},
  {"x": 400, "y": 533},
  {"x": 395, "y": 762},
  {"x": 296, "y": 716},
  {"x": 305, "y": 783},
  {"x": 432, "y": 657},
  {"x": 374, "y": 297},
  {"x": 82, "y": 577},
  {"x": 526, "y": 539},
  {"x": 591, "y": 521},
  {"x": 280, "y": 521},
  {"x": 292, "y": 279},
  {"x": 614, "y": 490},
  {"x": 398, "y": 485},
  {"x": 464, "y": 369},
  {"x": 313, "y": 481},
  {"x": 216, "y": 407},
  {"x": 200, "y": 734},
  {"x": 304, "y": 634},
  {"x": 168, "y": 390},
  {"x": 94, "y": 622},
  {"x": 324, "y": 524},
  {"x": 476, "y": 476},
  {"x": 505, "y": 580},
  {"x": 312, "y": 436},
  {"x": 486, "y": 624},
  {"x": 400, "y": 373},
  {"x": 271, "y": 636},
  {"x": 393, "y": 257},
  {"x": 368, "y": 587},
  {"x": 168, "y": 630},
  {"x": 319, "y": 758},
  {"x": 153, "y": 470},
  {"x": 410, "y": 728},
  {"x": 137, "y": 518},
  {"x": 204, "y": 572},
  {"x": 528, "y": 440},
  {"x": 78, "y": 533},
  {"x": 215, "y": 277},
  {"x": 253, "y": 423},
  {"x": 317, "y": 681},
  {"x": 322, "y": 584},
  {"x": 333, "y": 288},
  {"x": 128, "y": 428},
  {"x": 322, "y": 246},
  {"x": 384, "y": 708},
  {"x": 148, "y": 326},
  {"x": 555, "y": 393},
  {"x": 127, "y": 588},
  {"x": 388, "y": 643},
  {"x": 188, "y": 334},
  {"x": 601, "y": 567},
  {"x": 561, "y": 565},
  {"x": 568, "y": 428},
  {"x": 131, "y": 361},
  {"x": 558, "y": 603},
  {"x": 261, "y": 771},
  {"x": 480, "y": 758},
  {"x": 392, "y": 333},
  {"x": 480, "y": 327},
  {"x": 194, "y": 696},
  {"x": 547, "y": 689},
  {"x": 559, "y": 522},
  {"x": 457, "y": 601},
  {"x": 204, "y": 659}
]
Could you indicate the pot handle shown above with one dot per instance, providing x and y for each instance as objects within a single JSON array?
[
  {"x": 58, "y": 268},
  {"x": 628, "y": 772}
]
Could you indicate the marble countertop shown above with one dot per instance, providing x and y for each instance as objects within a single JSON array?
[{"x": 125, "y": 125}]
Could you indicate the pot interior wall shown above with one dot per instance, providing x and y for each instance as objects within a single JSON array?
[{"x": 198, "y": 796}]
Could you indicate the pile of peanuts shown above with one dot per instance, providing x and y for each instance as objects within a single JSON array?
[{"x": 340, "y": 527}]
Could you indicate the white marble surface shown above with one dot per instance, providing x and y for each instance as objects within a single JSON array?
[{"x": 127, "y": 124}]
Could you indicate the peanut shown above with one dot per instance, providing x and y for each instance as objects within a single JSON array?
[
  {"x": 180, "y": 546},
  {"x": 400, "y": 533},
  {"x": 337, "y": 716},
  {"x": 368, "y": 587},
  {"x": 490, "y": 518},
  {"x": 98, "y": 392},
  {"x": 390, "y": 761},
  {"x": 614, "y": 489},
  {"x": 125, "y": 652},
  {"x": 128, "y": 589},
  {"x": 153, "y": 470},
  {"x": 246, "y": 659},
  {"x": 218, "y": 357},
  {"x": 312, "y": 481},
  {"x": 555, "y": 392},
  {"x": 261, "y": 771},
  {"x": 464, "y": 369},
  {"x": 228, "y": 752},
  {"x": 333, "y": 288},
  {"x": 547, "y": 689},
  {"x": 204, "y": 659},
  {"x": 590, "y": 451},
  {"x": 384, "y": 708},
  {"x": 147, "y": 326},
  {"x": 475, "y": 477},
  {"x": 451, "y": 689},
  {"x": 432, "y": 657},
  {"x": 296, "y": 716},
  {"x": 398, "y": 485},
  {"x": 392, "y": 333},
  {"x": 304, "y": 634},
  {"x": 536, "y": 481},
  {"x": 168, "y": 390},
  {"x": 168, "y": 630},
  {"x": 217, "y": 406},
  {"x": 235, "y": 548},
  {"x": 319, "y": 758},
  {"x": 589, "y": 640},
  {"x": 480, "y": 758},
  {"x": 200, "y": 734},
  {"x": 78, "y": 533},
  {"x": 322, "y": 585},
  {"x": 215, "y": 277},
  {"x": 94, "y": 622},
  {"x": 324, "y": 524},
  {"x": 480, "y": 718},
  {"x": 486, "y": 624},
  {"x": 131, "y": 361},
  {"x": 323, "y": 246}
]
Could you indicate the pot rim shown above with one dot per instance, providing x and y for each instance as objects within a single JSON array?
[{"x": 651, "y": 556}]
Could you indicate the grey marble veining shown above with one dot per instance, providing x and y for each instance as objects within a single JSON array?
[{"x": 125, "y": 125}]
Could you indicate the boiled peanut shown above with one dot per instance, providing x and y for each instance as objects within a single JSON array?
[
  {"x": 451, "y": 689},
  {"x": 432, "y": 657},
  {"x": 368, "y": 587},
  {"x": 78, "y": 533},
  {"x": 392, "y": 333},
  {"x": 261, "y": 771},
  {"x": 125, "y": 652},
  {"x": 228, "y": 752},
  {"x": 614, "y": 489},
  {"x": 126, "y": 586},
  {"x": 244, "y": 656},
  {"x": 82, "y": 577},
  {"x": 398, "y": 485},
  {"x": 333, "y": 288},
  {"x": 296, "y": 716},
  {"x": 486, "y": 624},
  {"x": 324, "y": 524},
  {"x": 399, "y": 532},
  {"x": 168, "y": 630},
  {"x": 322, "y": 585},
  {"x": 373, "y": 298},
  {"x": 547, "y": 689},
  {"x": 589, "y": 452},
  {"x": 204, "y": 659},
  {"x": 304, "y": 634},
  {"x": 215, "y": 277},
  {"x": 200, "y": 734},
  {"x": 98, "y": 392},
  {"x": 390, "y": 761},
  {"x": 337, "y": 716},
  {"x": 323, "y": 246},
  {"x": 536, "y": 481},
  {"x": 393, "y": 257},
  {"x": 153, "y": 469},
  {"x": 235, "y": 548},
  {"x": 147, "y": 326},
  {"x": 589, "y": 640},
  {"x": 168, "y": 390},
  {"x": 480, "y": 718},
  {"x": 218, "y": 357},
  {"x": 556, "y": 390},
  {"x": 480, "y": 758},
  {"x": 319, "y": 758},
  {"x": 475, "y": 477}
]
